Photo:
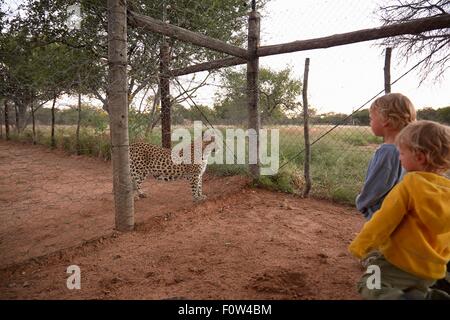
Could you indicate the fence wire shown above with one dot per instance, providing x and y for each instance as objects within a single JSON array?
[{"x": 342, "y": 142}]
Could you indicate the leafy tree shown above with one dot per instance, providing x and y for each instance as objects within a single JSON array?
[
  {"x": 92, "y": 117},
  {"x": 361, "y": 117},
  {"x": 35, "y": 65},
  {"x": 440, "y": 115},
  {"x": 222, "y": 19},
  {"x": 444, "y": 115},
  {"x": 330, "y": 118},
  {"x": 427, "y": 114},
  {"x": 279, "y": 93}
]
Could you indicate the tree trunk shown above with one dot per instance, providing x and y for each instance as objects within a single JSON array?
[
  {"x": 17, "y": 117},
  {"x": 151, "y": 118},
  {"x": 165, "y": 95},
  {"x": 78, "y": 146},
  {"x": 6, "y": 120},
  {"x": 387, "y": 71},
  {"x": 22, "y": 119},
  {"x": 118, "y": 114},
  {"x": 155, "y": 122},
  {"x": 254, "y": 121},
  {"x": 1, "y": 123},
  {"x": 53, "y": 141},
  {"x": 142, "y": 100},
  {"x": 34, "y": 122},
  {"x": 306, "y": 165}
]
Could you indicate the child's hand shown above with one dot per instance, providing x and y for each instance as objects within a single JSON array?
[{"x": 368, "y": 259}]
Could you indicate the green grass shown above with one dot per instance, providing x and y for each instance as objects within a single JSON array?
[
  {"x": 91, "y": 143},
  {"x": 338, "y": 160}
]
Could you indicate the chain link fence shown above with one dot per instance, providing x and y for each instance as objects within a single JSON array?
[{"x": 342, "y": 82}]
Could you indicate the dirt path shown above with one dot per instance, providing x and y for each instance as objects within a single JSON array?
[{"x": 239, "y": 244}]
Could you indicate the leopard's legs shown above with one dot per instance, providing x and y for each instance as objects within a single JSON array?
[
  {"x": 199, "y": 188},
  {"x": 137, "y": 177},
  {"x": 196, "y": 187}
]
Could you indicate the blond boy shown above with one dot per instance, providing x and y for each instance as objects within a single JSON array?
[
  {"x": 388, "y": 115},
  {"x": 411, "y": 230}
]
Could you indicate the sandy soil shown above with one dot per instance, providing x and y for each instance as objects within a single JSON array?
[{"x": 241, "y": 243}]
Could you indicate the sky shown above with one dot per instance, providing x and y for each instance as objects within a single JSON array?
[{"x": 342, "y": 78}]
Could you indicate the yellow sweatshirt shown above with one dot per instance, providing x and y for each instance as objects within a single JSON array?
[{"x": 412, "y": 227}]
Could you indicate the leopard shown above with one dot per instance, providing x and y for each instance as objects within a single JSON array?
[{"x": 152, "y": 160}]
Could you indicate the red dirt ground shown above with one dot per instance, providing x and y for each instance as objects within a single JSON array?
[{"x": 241, "y": 243}]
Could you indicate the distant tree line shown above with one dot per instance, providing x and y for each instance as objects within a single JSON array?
[
  {"x": 91, "y": 116},
  {"x": 441, "y": 115},
  {"x": 97, "y": 118},
  {"x": 361, "y": 118}
]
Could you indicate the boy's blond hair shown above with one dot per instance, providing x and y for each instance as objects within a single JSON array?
[
  {"x": 430, "y": 138},
  {"x": 396, "y": 108}
]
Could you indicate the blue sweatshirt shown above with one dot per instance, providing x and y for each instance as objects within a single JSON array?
[{"x": 383, "y": 173}]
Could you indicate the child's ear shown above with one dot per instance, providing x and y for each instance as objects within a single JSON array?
[{"x": 421, "y": 158}]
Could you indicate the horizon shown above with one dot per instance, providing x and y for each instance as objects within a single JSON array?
[{"x": 88, "y": 101}]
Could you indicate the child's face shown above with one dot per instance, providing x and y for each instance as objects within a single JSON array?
[
  {"x": 377, "y": 123},
  {"x": 411, "y": 161}
]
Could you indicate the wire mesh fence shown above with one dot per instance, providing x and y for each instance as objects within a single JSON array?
[{"x": 72, "y": 61}]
